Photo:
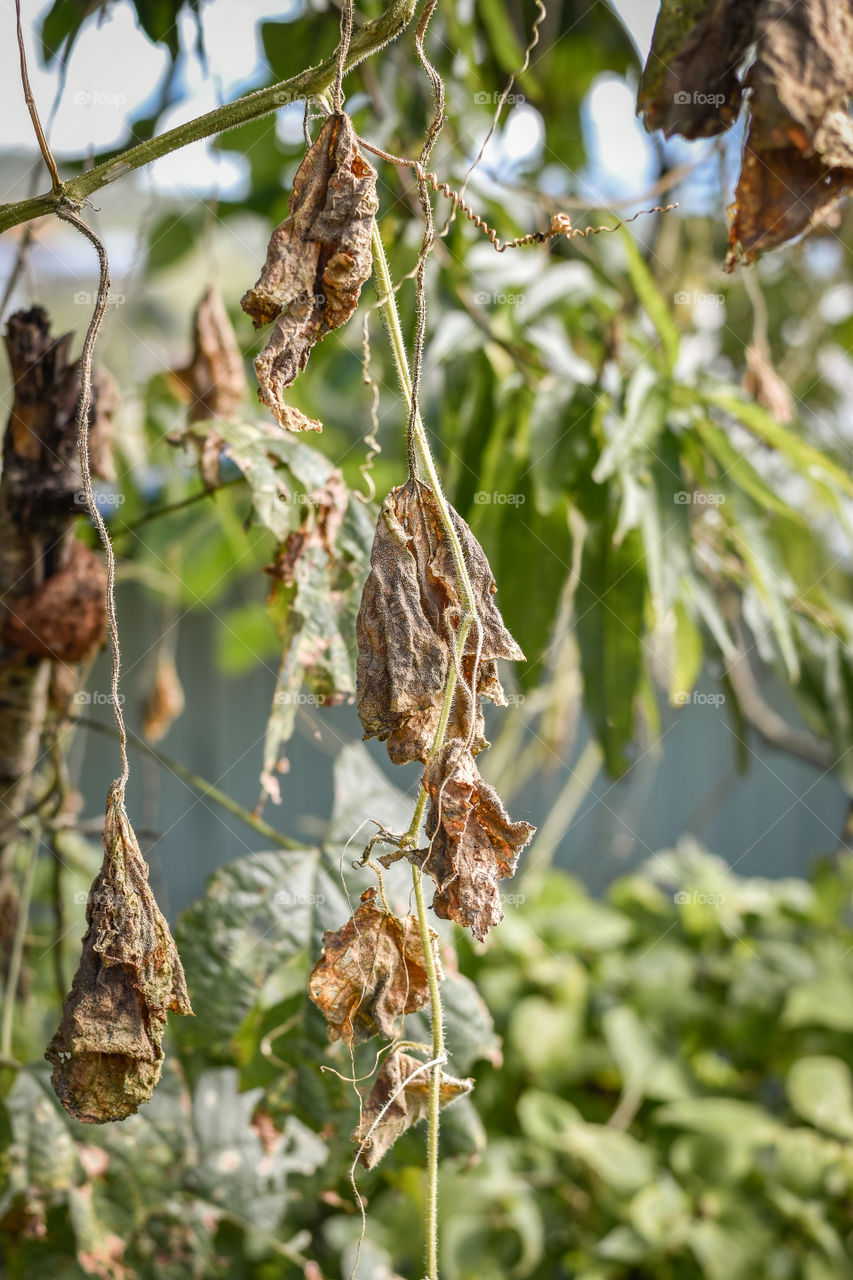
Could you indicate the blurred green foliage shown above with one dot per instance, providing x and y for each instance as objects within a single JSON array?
[{"x": 665, "y": 1092}]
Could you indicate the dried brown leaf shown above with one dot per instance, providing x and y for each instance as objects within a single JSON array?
[
  {"x": 473, "y": 842},
  {"x": 66, "y": 617},
  {"x": 690, "y": 84},
  {"x": 763, "y": 383},
  {"x": 106, "y": 1052},
  {"x": 372, "y": 972},
  {"x": 215, "y": 379},
  {"x": 317, "y": 262},
  {"x": 165, "y": 701},
  {"x": 798, "y": 158},
  {"x": 377, "y": 1132},
  {"x": 410, "y": 610}
]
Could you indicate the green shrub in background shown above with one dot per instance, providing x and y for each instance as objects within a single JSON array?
[{"x": 665, "y": 1092}]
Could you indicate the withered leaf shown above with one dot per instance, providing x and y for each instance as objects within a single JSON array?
[
  {"x": 690, "y": 84},
  {"x": 377, "y": 1132},
  {"x": 409, "y": 613},
  {"x": 106, "y": 1052},
  {"x": 317, "y": 261},
  {"x": 473, "y": 842},
  {"x": 370, "y": 974},
  {"x": 165, "y": 701},
  {"x": 66, "y": 617}
]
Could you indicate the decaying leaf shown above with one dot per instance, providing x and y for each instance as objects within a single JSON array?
[
  {"x": 798, "y": 157},
  {"x": 214, "y": 381},
  {"x": 409, "y": 614},
  {"x": 473, "y": 842},
  {"x": 106, "y": 1052},
  {"x": 690, "y": 84},
  {"x": 165, "y": 701},
  {"x": 317, "y": 262},
  {"x": 377, "y": 1132},
  {"x": 66, "y": 617},
  {"x": 763, "y": 383},
  {"x": 370, "y": 974}
]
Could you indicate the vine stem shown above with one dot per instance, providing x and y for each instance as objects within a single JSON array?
[
  {"x": 388, "y": 305},
  {"x": 16, "y": 956},
  {"x": 372, "y": 37}
]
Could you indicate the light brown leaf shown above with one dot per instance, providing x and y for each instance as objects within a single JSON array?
[
  {"x": 317, "y": 261},
  {"x": 106, "y": 1052},
  {"x": 165, "y": 701},
  {"x": 410, "y": 1104},
  {"x": 410, "y": 610},
  {"x": 473, "y": 842},
  {"x": 215, "y": 379},
  {"x": 371, "y": 973}
]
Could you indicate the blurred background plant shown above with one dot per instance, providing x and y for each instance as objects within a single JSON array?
[{"x": 656, "y": 459}]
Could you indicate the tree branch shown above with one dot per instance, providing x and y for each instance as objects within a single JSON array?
[{"x": 372, "y": 37}]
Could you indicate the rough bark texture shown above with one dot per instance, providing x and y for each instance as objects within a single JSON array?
[
  {"x": 107, "y": 1053},
  {"x": 317, "y": 262},
  {"x": 40, "y": 494}
]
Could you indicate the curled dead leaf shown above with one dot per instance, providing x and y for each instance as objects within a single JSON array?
[
  {"x": 398, "y": 1100},
  {"x": 410, "y": 611},
  {"x": 165, "y": 701},
  {"x": 371, "y": 973},
  {"x": 66, "y": 617},
  {"x": 106, "y": 1052},
  {"x": 317, "y": 262},
  {"x": 473, "y": 842}
]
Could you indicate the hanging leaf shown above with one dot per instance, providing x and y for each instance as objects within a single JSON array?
[
  {"x": 372, "y": 972},
  {"x": 66, "y": 617},
  {"x": 317, "y": 262},
  {"x": 406, "y": 628},
  {"x": 473, "y": 842},
  {"x": 165, "y": 702},
  {"x": 397, "y": 1101},
  {"x": 107, "y": 1053}
]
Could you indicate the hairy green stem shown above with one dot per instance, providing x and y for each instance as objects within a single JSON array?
[
  {"x": 198, "y": 783},
  {"x": 388, "y": 305},
  {"x": 372, "y": 37}
]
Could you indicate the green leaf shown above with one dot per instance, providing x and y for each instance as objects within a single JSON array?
[
  {"x": 652, "y": 301},
  {"x": 820, "y": 1089}
]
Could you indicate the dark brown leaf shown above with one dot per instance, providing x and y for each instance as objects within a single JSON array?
[
  {"x": 66, "y": 617},
  {"x": 370, "y": 974},
  {"x": 377, "y": 1132},
  {"x": 317, "y": 261},
  {"x": 473, "y": 842},
  {"x": 409, "y": 614},
  {"x": 107, "y": 1053},
  {"x": 690, "y": 84}
]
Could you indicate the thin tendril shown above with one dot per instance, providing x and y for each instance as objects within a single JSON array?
[{"x": 343, "y": 51}]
